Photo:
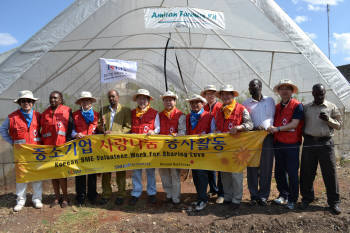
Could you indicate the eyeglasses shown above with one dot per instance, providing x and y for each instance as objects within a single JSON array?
[{"x": 26, "y": 101}]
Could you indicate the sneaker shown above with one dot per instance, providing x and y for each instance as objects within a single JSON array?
[
  {"x": 291, "y": 205},
  {"x": 37, "y": 204},
  {"x": 152, "y": 199},
  {"x": 133, "y": 200},
  {"x": 18, "y": 207},
  {"x": 220, "y": 200},
  {"x": 262, "y": 201},
  {"x": 119, "y": 201},
  {"x": 201, "y": 205},
  {"x": 280, "y": 201}
]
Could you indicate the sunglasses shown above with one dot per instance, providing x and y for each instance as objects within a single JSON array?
[{"x": 26, "y": 101}]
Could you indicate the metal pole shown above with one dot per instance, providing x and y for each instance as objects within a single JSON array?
[
  {"x": 329, "y": 46},
  {"x": 101, "y": 95}
]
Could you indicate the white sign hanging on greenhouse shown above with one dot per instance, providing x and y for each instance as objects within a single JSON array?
[
  {"x": 184, "y": 17},
  {"x": 113, "y": 70}
]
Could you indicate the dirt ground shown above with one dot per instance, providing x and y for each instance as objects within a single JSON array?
[{"x": 165, "y": 217}]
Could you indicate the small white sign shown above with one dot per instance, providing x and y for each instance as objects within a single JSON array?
[
  {"x": 113, "y": 70},
  {"x": 183, "y": 17}
]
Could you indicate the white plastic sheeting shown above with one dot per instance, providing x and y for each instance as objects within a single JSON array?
[{"x": 259, "y": 41}]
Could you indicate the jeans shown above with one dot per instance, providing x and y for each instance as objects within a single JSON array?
[
  {"x": 286, "y": 170},
  {"x": 137, "y": 182}
]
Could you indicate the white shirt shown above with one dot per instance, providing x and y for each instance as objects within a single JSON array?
[
  {"x": 112, "y": 117},
  {"x": 262, "y": 112}
]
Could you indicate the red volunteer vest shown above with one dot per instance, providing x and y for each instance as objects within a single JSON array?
[
  {"x": 19, "y": 131},
  {"x": 236, "y": 118},
  {"x": 54, "y": 125},
  {"x": 283, "y": 116},
  {"x": 81, "y": 126},
  {"x": 169, "y": 126},
  {"x": 202, "y": 126},
  {"x": 141, "y": 125},
  {"x": 216, "y": 108}
]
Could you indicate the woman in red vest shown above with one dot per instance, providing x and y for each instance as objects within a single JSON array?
[
  {"x": 287, "y": 130},
  {"x": 232, "y": 118},
  {"x": 172, "y": 122},
  {"x": 85, "y": 123},
  {"x": 56, "y": 128},
  {"x": 213, "y": 106},
  {"x": 22, "y": 127},
  {"x": 198, "y": 122},
  {"x": 144, "y": 120}
]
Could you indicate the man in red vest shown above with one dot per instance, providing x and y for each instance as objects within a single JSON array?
[
  {"x": 56, "y": 128},
  {"x": 85, "y": 123},
  {"x": 287, "y": 130},
  {"x": 23, "y": 127},
  {"x": 213, "y": 106},
  {"x": 144, "y": 120},
  {"x": 198, "y": 122},
  {"x": 232, "y": 118},
  {"x": 172, "y": 122}
]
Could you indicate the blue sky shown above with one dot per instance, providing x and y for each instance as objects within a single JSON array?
[{"x": 20, "y": 19}]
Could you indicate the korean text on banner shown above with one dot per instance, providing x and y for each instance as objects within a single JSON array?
[
  {"x": 113, "y": 70},
  {"x": 107, "y": 153},
  {"x": 183, "y": 17}
]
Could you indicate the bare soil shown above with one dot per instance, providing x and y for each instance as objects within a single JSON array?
[{"x": 166, "y": 217}]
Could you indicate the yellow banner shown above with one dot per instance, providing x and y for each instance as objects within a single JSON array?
[{"x": 107, "y": 153}]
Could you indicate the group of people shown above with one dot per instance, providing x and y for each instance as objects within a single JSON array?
[{"x": 287, "y": 123}]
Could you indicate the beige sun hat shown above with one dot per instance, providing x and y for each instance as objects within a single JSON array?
[
  {"x": 142, "y": 92},
  {"x": 227, "y": 88},
  {"x": 286, "y": 82},
  {"x": 169, "y": 94},
  {"x": 197, "y": 97},
  {"x": 25, "y": 95},
  {"x": 85, "y": 95},
  {"x": 208, "y": 88}
]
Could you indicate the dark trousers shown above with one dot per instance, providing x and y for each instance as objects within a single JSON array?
[
  {"x": 80, "y": 187},
  {"x": 314, "y": 152},
  {"x": 200, "y": 180},
  {"x": 213, "y": 187},
  {"x": 286, "y": 170},
  {"x": 259, "y": 178}
]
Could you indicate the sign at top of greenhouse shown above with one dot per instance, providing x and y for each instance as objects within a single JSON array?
[{"x": 184, "y": 17}]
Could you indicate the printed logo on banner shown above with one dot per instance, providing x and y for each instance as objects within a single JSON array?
[
  {"x": 183, "y": 17},
  {"x": 113, "y": 70}
]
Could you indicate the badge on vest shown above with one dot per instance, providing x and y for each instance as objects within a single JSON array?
[
  {"x": 59, "y": 124},
  {"x": 284, "y": 121},
  {"x": 35, "y": 132},
  {"x": 146, "y": 129},
  {"x": 171, "y": 130},
  {"x": 230, "y": 125}
]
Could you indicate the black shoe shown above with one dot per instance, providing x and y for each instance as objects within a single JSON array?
[
  {"x": 92, "y": 201},
  {"x": 262, "y": 201},
  {"x": 152, "y": 199},
  {"x": 253, "y": 202},
  {"x": 335, "y": 209},
  {"x": 119, "y": 201},
  {"x": 227, "y": 202},
  {"x": 168, "y": 200},
  {"x": 80, "y": 202},
  {"x": 103, "y": 201},
  {"x": 133, "y": 200},
  {"x": 235, "y": 206},
  {"x": 304, "y": 205}
]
